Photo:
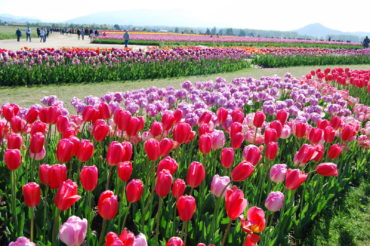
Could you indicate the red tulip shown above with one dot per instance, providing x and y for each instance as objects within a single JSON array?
[
  {"x": 205, "y": 143},
  {"x": 305, "y": 154},
  {"x": 272, "y": 149},
  {"x": 9, "y": 111},
  {"x": 168, "y": 120},
  {"x": 181, "y": 132},
  {"x": 282, "y": 116},
  {"x": 124, "y": 170},
  {"x": 86, "y": 150},
  {"x": 14, "y": 141},
  {"x": 277, "y": 126},
  {"x": 62, "y": 123},
  {"x": 256, "y": 221},
  {"x": 235, "y": 203},
  {"x": 242, "y": 171},
  {"x": 205, "y": 118},
  {"x": 44, "y": 173},
  {"x": 152, "y": 149},
  {"x": 64, "y": 150},
  {"x": 327, "y": 169},
  {"x": 178, "y": 115},
  {"x": 300, "y": 129},
  {"x": 336, "y": 122},
  {"x": 227, "y": 157},
  {"x": 104, "y": 110},
  {"x": 315, "y": 136},
  {"x": 76, "y": 145},
  {"x": 115, "y": 153},
  {"x": 31, "y": 194},
  {"x": 270, "y": 135},
  {"x": 107, "y": 205},
  {"x": 37, "y": 142},
  {"x": 164, "y": 183},
  {"x": 334, "y": 151},
  {"x": 165, "y": 146},
  {"x": 122, "y": 119},
  {"x": 196, "y": 173},
  {"x": 322, "y": 124},
  {"x": 38, "y": 126},
  {"x": 294, "y": 178},
  {"x": 89, "y": 177},
  {"x": 90, "y": 114},
  {"x": 134, "y": 126},
  {"x": 259, "y": 119},
  {"x": 237, "y": 140},
  {"x": 66, "y": 195},
  {"x": 100, "y": 131},
  {"x": 251, "y": 239},
  {"x": 329, "y": 134},
  {"x": 348, "y": 133},
  {"x": 175, "y": 241},
  {"x": 252, "y": 154},
  {"x": 156, "y": 129},
  {"x": 57, "y": 174},
  {"x": 31, "y": 115},
  {"x": 134, "y": 190},
  {"x": 178, "y": 188},
  {"x": 127, "y": 154},
  {"x": 320, "y": 150},
  {"x": 235, "y": 127},
  {"x": 222, "y": 115},
  {"x": 49, "y": 115},
  {"x": 237, "y": 115},
  {"x": 17, "y": 124},
  {"x": 169, "y": 164},
  {"x": 186, "y": 207},
  {"x": 12, "y": 158},
  {"x": 204, "y": 129}
]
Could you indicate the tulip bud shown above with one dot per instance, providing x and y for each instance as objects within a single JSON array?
[
  {"x": 181, "y": 132},
  {"x": 104, "y": 110},
  {"x": 168, "y": 120},
  {"x": 178, "y": 188},
  {"x": 305, "y": 154},
  {"x": 271, "y": 150},
  {"x": 270, "y": 135},
  {"x": 86, "y": 150},
  {"x": 286, "y": 131},
  {"x": 62, "y": 123},
  {"x": 124, "y": 170},
  {"x": 278, "y": 172},
  {"x": 169, "y": 164},
  {"x": 175, "y": 241},
  {"x": 134, "y": 190},
  {"x": 156, "y": 129},
  {"x": 37, "y": 142},
  {"x": 205, "y": 118},
  {"x": 100, "y": 131},
  {"x": 107, "y": 205},
  {"x": 196, "y": 173},
  {"x": 205, "y": 143},
  {"x": 64, "y": 150},
  {"x": 89, "y": 177},
  {"x": 152, "y": 149},
  {"x": 164, "y": 183},
  {"x": 22, "y": 241},
  {"x": 334, "y": 151},
  {"x": 242, "y": 171},
  {"x": 12, "y": 158},
  {"x": 14, "y": 141},
  {"x": 300, "y": 129},
  {"x": 252, "y": 154},
  {"x": 274, "y": 201},
  {"x": 186, "y": 207},
  {"x": 122, "y": 119},
  {"x": 218, "y": 185},
  {"x": 73, "y": 231},
  {"x": 327, "y": 169},
  {"x": 316, "y": 135},
  {"x": 115, "y": 153},
  {"x": 348, "y": 133},
  {"x": 165, "y": 146},
  {"x": 277, "y": 126},
  {"x": 237, "y": 115},
  {"x": 31, "y": 194},
  {"x": 31, "y": 115},
  {"x": 227, "y": 157},
  {"x": 57, "y": 174},
  {"x": 222, "y": 115},
  {"x": 237, "y": 140},
  {"x": 282, "y": 116},
  {"x": 329, "y": 134},
  {"x": 259, "y": 119},
  {"x": 44, "y": 173}
]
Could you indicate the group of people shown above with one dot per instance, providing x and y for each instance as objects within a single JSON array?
[
  {"x": 366, "y": 42},
  {"x": 82, "y": 32},
  {"x": 42, "y": 33}
]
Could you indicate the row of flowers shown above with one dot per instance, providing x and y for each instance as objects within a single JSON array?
[{"x": 208, "y": 162}]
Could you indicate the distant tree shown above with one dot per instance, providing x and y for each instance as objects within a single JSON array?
[
  {"x": 116, "y": 27},
  {"x": 177, "y": 30},
  {"x": 208, "y": 32},
  {"x": 242, "y": 33},
  {"x": 214, "y": 31},
  {"x": 220, "y": 32},
  {"x": 229, "y": 31}
]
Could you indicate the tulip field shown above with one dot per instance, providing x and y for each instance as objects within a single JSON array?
[
  {"x": 178, "y": 39},
  {"x": 242, "y": 162}
]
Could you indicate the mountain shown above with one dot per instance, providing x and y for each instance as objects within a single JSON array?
[
  {"x": 18, "y": 19},
  {"x": 142, "y": 17},
  {"x": 318, "y": 30}
]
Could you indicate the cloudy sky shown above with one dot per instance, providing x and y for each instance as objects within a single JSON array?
[{"x": 257, "y": 14}]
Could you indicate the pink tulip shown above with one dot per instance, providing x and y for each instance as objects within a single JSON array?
[
  {"x": 22, "y": 241},
  {"x": 218, "y": 185},
  {"x": 140, "y": 240},
  {"x": 274, "y": 201},
  {"x": 278, "y": 172},
  {"x": 73, "y": 231}
]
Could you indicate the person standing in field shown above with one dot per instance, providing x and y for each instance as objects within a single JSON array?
[
  {"x": 18, "y": 33},
  {"x": 126, "y": 37},
  {"x": 42, "y": 35},
  {"x": 28, "y": 34},
  {"x": 82, "y": 34},
  {"x": 366, "y": 42},
  {"x": 78, "y": 33}
]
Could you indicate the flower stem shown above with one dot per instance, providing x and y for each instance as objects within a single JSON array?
[
  {"x": 214, "y": 219},
  {"x": 102, "y": 232},
  {"x": 32, "y": 222},
  {"x": 56, "y": 225},
  {"x": 126, "y": 215},
  {"x": 158, "y": 216},
  {"x": 110, "y": 170},
  {"x": 13, "y": 202},
  {"x": 226, "y": 233},
  {"x": 185, "y": 231}
]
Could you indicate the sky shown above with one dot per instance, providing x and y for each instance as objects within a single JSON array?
[{"x": 284, "y": 15}]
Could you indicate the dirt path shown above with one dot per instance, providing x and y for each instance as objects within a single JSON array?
[{"x": 57, "y": 40}]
